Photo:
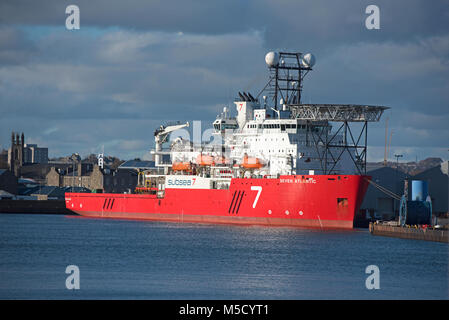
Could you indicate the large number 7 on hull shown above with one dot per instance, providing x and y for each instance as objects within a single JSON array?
[{"x": 259, "y": 191}]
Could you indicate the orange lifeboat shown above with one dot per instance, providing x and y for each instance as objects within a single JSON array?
[
  {"x": 252, "y": 163},
  {"x": 181, "y": 166},
  {"x": 205, "y": 160}
]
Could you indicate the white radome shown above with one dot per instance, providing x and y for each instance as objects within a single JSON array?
[
  {"x": 272, "y": 59},
  {"x": 308, "y": 60}
]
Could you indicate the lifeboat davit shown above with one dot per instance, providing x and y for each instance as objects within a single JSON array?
[
  {"x": 181, "y": 166},
  {"x": 221, "y": 160},
  {"x": 252, "y": 163},
  {"x": 205, "y": 160}
]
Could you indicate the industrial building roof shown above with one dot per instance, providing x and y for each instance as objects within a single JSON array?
[{"x": 137, "y": 164}]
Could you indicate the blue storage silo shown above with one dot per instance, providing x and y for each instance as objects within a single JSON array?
[
  {"x": 419, "y": 190},
  {"x": 418, "y": 210}
]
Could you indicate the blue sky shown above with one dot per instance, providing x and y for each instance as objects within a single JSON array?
[{"x": 135, "y": 64}]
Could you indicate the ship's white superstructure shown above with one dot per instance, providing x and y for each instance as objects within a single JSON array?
[
  {"x": 284, "y": 138},
  {"x": 283, "y": 144}
]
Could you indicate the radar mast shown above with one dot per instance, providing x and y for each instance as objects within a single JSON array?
[{"x": 287, "y": 72}]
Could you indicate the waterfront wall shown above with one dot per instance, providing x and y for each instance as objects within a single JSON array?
[
  {"x": 34, "y": 206},
  {"x": 409, "y": 233}
]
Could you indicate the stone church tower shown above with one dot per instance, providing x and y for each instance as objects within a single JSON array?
[{"x": 15, "y": 154}]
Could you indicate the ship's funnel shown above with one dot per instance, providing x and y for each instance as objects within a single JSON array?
[{"x": 244, "y": 112}]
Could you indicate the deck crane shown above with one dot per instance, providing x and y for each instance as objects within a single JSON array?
[{"x": 160, "y": 136}]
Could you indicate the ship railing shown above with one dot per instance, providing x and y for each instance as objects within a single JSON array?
[{"x": 337, "y": 112}]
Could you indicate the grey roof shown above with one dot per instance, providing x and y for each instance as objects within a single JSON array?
[
  {"x": 437, "y": 170},
  {"x": 370, "y": 166},
  {"x": 76, "y": 189},
  {"x": 45, "y": 190},
  {"x": 27, "y": 180},
  {"x": 6, "y": 194},
  {"x": 137, "y": 164},
  {"x": 386, "y": 170},
  {"x": 58, "y": 192},
  {"x": 27, "y": 191}
]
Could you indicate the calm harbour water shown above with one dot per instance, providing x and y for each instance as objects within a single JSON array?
[{"x": 121, "y": 259}]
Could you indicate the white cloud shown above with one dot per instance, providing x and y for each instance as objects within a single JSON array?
[{"x": 109, "y": 84}]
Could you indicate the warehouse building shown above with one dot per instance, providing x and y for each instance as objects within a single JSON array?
[{"x": 378, "y": 205}]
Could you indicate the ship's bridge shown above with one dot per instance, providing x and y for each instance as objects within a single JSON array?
[
  {"x": 283, "y": 125},
  {"x": 220, "y": 125}
]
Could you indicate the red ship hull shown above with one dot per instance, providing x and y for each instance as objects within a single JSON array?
[{"x": 317, "y": 201}]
